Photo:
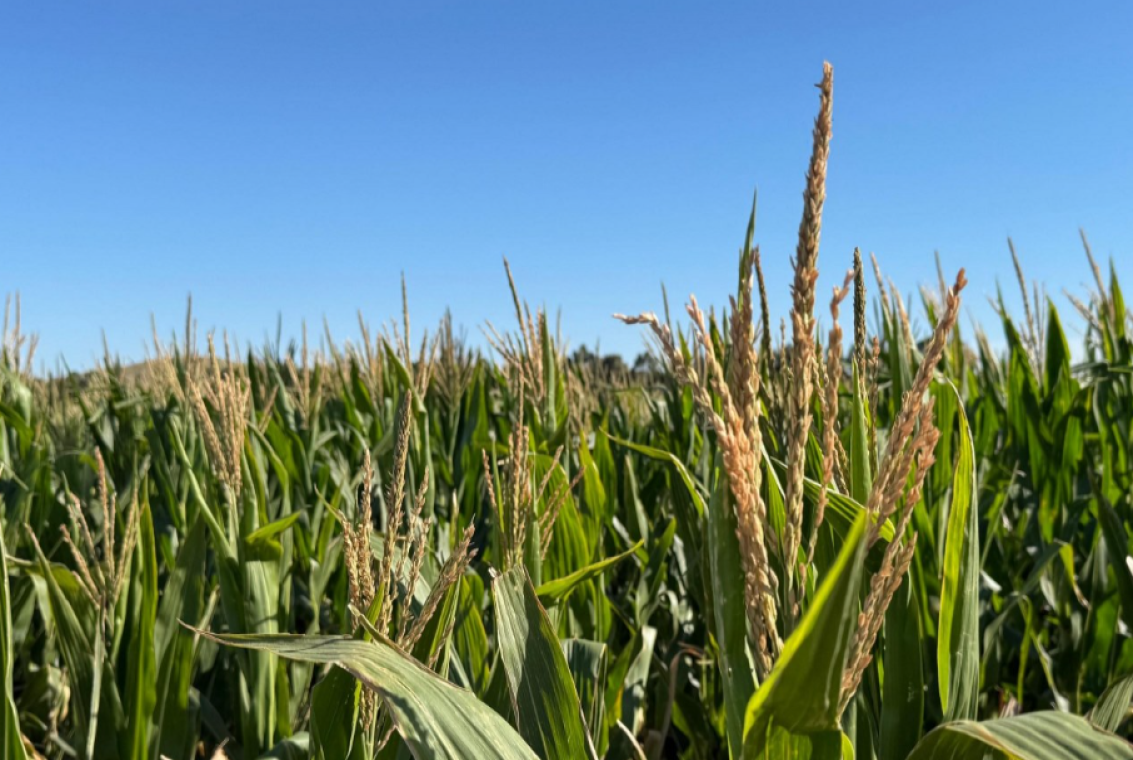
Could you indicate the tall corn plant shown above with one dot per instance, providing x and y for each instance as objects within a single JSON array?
[
  {"x": 795, "y": 650},
  {"x": 810, "y": 532}
]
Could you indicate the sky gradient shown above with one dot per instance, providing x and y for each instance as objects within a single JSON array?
[{"x": 290, "y": 160}]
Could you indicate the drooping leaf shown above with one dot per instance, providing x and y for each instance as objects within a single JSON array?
[
  {"x": 1044, "y": 735},
  {"x": 436, "y": 719},
  {"x": 552, "y": 591}
]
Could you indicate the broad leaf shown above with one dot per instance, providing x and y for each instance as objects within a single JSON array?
[
  {"x": 1044, "y": 735},
  {"x": 1113, "y": 705},
  {"x": 801, "y": 695},
  {"x": 546, "y": 703},
  {"x": 435, "y": 718}
]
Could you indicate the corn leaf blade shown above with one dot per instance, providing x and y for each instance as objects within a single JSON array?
[
  {"x": 546, "y": 703},
  {"x": 1044, "y": 735},
  {"x": 436, "y": 719},
  {"x": 958, "y": 648}
]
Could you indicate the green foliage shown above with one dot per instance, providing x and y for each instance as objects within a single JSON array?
[
  {"x": 958, "y": 649},
  {"x": 798, "y": 705},
  {"x": 621, "y": 627},
  {"x": 10, "y": 740},
  {"x": 1036, "y": 736},
  {"x": 437, "y": 719},
  {"x": 543, "y": 693}
]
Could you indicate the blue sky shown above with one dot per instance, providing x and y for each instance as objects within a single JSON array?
[{"x": 291, "y": 159}]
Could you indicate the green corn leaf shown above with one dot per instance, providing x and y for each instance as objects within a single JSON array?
[
  {"x": 297, "y": 747},
  {"x": 334, "y": 713},
  {"x": 729, "y": 618},
  {"x": 1044, "y": 735},
  {"x": 1117, "y": 545},
  {"x": 1057, "y": 360},
  {"x": 776, "y": 499},
  {"x": 594, "y": 496},
  {"x": 433, "y": 646},
  {"x": 546, "y": 703},
  {"x": 469, "y": 636},
  {"x": 588, "y": 662},
  {"x": 96, "y": 716},
  {"x": 569, "y": 549},
  {"x": 841, "y": 510},
  {"x": 1019, "y": 597},
  {"x": 273, "y": 529},
  {"x": 141, "y": 686},
  {"x": 552, "y": 591},
  {"x": 1118, "y": 301},
  {"x": 1113, "y": 705},
  {"x": 650, "y": 584},
  {"x": 688, "y": 506},
  {"x": 958, "y": 642},
  {"x": 902, "y": 694},
  {"x": 672, "y": 459},
  {"x": 176, "y": 719},
  {"x": 11, "y": 740},
  {"x": 634, "y": 698},
  {"x": 437, "y": 720},
  {"x": 822, "y": 745},
  {"x": 797, "y": 706}
]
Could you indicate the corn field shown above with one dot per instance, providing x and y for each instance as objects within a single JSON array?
[{"x": 774, "y": 540}]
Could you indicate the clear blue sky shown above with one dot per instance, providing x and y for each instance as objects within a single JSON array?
[{"x": 293, "y": 158}]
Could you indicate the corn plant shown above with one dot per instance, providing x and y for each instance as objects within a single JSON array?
[{"x": 884, "y": 542}]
